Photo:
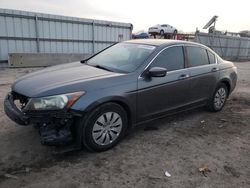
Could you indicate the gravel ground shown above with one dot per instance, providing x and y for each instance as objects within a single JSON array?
[{"x": 181, "y": 144}]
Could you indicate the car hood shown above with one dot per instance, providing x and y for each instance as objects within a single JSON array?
[{"x": 59, "y": 79}]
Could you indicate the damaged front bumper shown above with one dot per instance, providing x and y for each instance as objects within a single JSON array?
[
  {"x": 13, "y": 112},
  {"x": 55, "y": 127}
]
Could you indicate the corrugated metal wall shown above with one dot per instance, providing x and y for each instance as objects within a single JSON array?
[
  {"x": 230, "y": 48},
  {"x": 28, "y": 32}
]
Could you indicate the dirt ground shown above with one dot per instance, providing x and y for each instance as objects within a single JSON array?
[{"x": 180, "y": 145}]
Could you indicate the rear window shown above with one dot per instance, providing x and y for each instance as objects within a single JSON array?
[{"x": 197, "y": 56}]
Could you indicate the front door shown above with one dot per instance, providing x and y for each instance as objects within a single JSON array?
[{"x": 157, "y": 95}]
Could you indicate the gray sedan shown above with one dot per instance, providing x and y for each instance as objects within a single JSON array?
[{"x": 95, "y": 102}]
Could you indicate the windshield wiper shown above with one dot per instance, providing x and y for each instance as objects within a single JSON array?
[{"x": 102, "y": 67}]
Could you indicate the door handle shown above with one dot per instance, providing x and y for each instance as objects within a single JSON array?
[
  {"x": 214, "y": 69},
  {"x": 183, "y": 76}
]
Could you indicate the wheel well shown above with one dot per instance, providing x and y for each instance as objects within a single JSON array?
[
  {"x": 227, "y": 84},
  {"x": 128, "y": 111}
]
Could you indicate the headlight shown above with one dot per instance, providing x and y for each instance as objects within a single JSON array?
[{"x": 55, "y": 102}]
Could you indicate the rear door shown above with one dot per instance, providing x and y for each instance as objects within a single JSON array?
[
  {"x": 203, "y": 73},
  {"x": 162, "y": 94}
]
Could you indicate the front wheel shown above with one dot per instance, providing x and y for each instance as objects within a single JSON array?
[
  {"x": 218, "y": 100},
  {"x": 104, "y": 127}
]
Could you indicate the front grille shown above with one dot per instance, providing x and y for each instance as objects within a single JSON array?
[{"x": 19, "y": 100}]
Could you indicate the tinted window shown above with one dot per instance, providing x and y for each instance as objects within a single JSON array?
[
  {"x": 171, "y": 59},
  {"x": 197, "y": 56},
  {"x": 211, "y": 57}
]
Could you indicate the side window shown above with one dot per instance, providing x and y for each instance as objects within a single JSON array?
[
  {"x": 211, "y": 57},
  {"x": 197, "y": 56},
  {"x": 171, "y": 59}
]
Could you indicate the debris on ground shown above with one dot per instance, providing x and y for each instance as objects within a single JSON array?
[
  {"x": 203, "y": 124},
  {"x": 204, "y": 170},
  {"x": 21, "y": 171},
  {"x": 220, "y": 126},
  {"x": 11, "y": 176},
  {"x": 27, "y": 169},
  {"x": 167, "y": 174},
  {"x": 223, "y": 120}
]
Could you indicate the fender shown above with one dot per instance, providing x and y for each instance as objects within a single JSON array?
[{"x": 129, "y": 108}]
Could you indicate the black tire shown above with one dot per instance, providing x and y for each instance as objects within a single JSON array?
[
  {"x": 212, "y": 105},
  {"x": 87, "y": 125},
  {"x": 161, "y": 32}
]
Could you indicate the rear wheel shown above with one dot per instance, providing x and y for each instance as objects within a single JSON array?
[
  {"x": 219, "y": 98},
  {"x": 104, "y": 127}
]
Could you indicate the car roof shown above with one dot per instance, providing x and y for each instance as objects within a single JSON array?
[{"x": 160, "y": 42}]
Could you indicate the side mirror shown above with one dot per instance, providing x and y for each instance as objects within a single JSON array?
[{"x": 157, "y": 72}]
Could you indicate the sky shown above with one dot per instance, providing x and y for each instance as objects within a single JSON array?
[{"x": 185, "y": 15}]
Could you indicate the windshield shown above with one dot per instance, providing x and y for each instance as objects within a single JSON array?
[{"x": 122, "y": 57}]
